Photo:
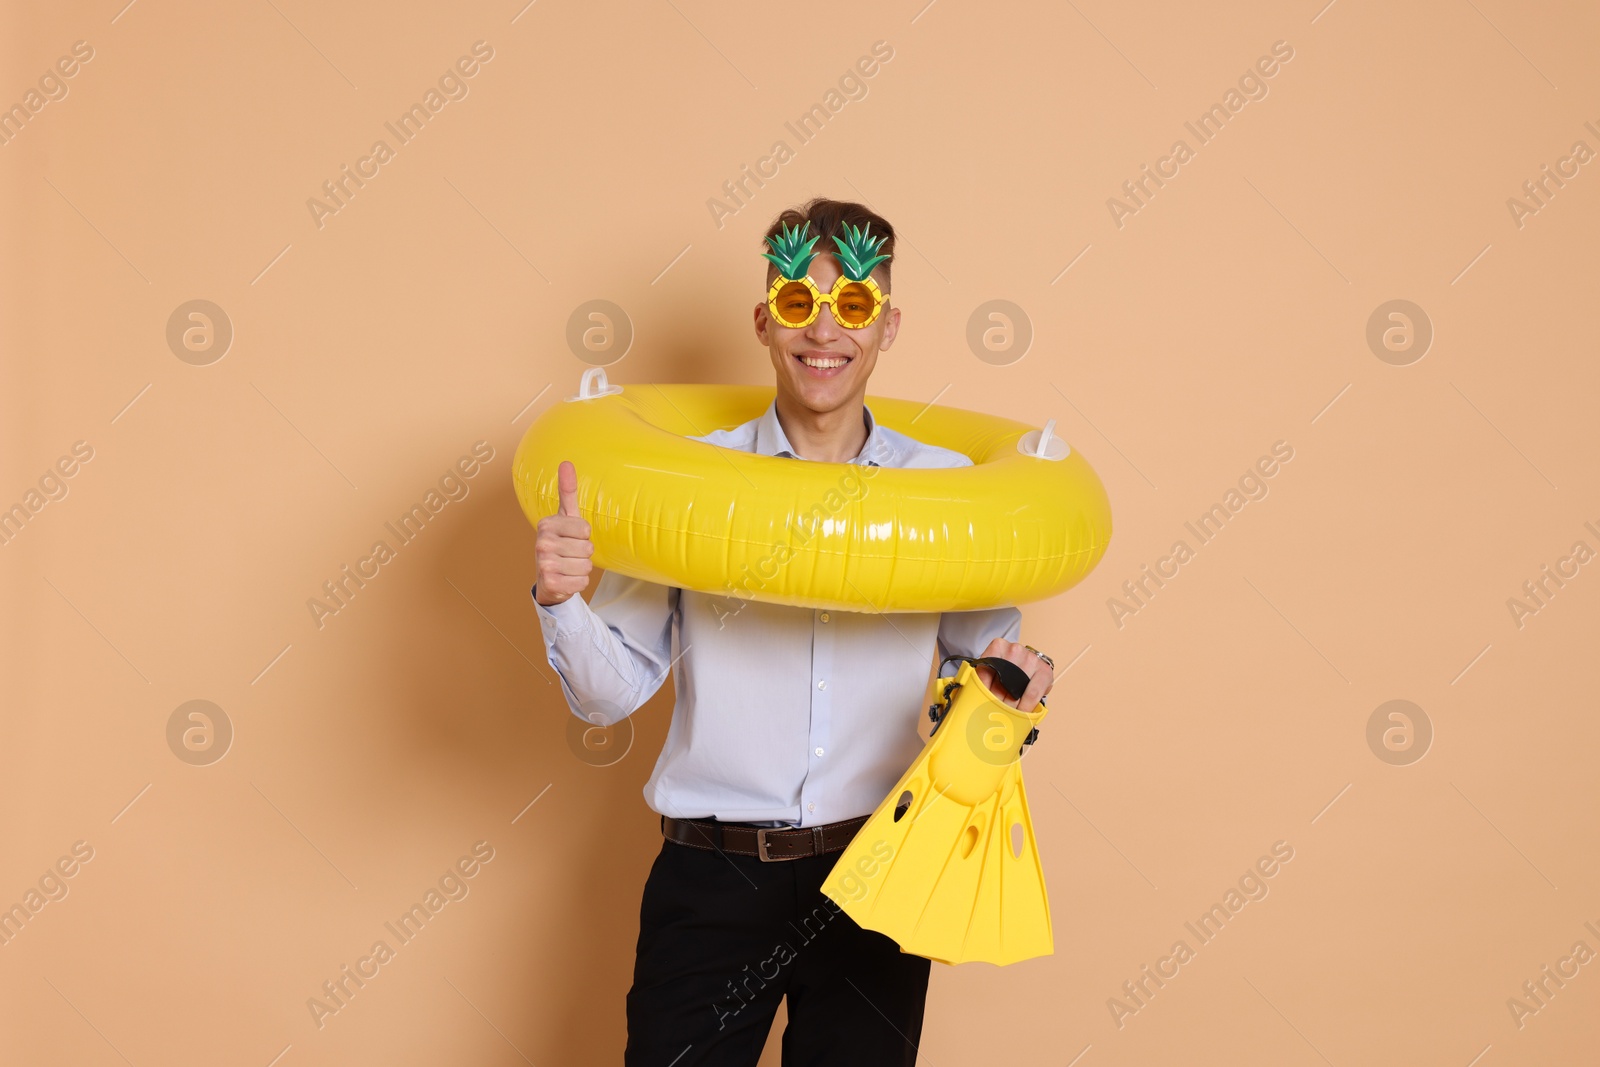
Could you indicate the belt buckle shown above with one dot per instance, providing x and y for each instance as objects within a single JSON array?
[{"x": 761, "y": 843}]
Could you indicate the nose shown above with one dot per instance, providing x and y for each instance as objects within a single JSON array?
[{"x": 826, "y": 328}]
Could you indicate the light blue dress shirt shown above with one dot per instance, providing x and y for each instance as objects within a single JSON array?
[{"x": 783, "y": 715}]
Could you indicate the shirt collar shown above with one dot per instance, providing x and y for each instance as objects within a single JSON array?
[{"x": 772, "y": 441}]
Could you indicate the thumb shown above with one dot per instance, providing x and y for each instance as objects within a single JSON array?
[{"x": 567, "y": 485}]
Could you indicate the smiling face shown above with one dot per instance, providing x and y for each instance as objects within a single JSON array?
[{"x": 825, "y": 366}]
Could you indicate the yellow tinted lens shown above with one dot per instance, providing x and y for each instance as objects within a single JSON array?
[
  {"x": 855, "y": 304},
  {"x": 793, "y": 304}
]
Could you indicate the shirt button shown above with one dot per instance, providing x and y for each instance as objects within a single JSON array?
[
  {"x": 819, "y": 751},
  {"x": 824, "y": 616},
  {"x": 822, "y": 683},
  {"x": 811, "y": 807}
]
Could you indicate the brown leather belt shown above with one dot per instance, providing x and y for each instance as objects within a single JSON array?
[{"x": 767, "y": 843}]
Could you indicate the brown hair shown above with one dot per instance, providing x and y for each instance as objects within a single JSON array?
[{"x": 828, "y": 219}]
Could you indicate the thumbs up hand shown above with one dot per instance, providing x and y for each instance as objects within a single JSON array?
[{"x": 561, "y": 547}]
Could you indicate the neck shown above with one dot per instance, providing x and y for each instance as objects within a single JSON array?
[{"x": 836, "y": 436}]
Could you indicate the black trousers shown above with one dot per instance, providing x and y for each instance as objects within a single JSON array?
[{"x": 723, "y": 938}]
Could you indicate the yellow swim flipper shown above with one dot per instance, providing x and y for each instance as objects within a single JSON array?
[{"x": 948, "y": 865}]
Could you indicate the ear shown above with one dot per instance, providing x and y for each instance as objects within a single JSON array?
[
  {"x": 891, "y": 327},
  {"x": 763, "y": 324}
]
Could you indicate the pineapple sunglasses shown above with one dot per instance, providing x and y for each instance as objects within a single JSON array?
[{"x": 855, "y": 299}]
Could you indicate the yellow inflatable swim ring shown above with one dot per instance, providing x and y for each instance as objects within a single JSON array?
[{"x": 1026, "y": 521}]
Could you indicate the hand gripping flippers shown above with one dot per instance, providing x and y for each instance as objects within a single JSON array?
[{"x": 948, "y": 865}]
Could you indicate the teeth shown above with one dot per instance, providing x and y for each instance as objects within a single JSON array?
[{"x": 823, "y": 364}]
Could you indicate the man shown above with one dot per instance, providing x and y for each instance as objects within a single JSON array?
[{"x": 785, "y": 717}]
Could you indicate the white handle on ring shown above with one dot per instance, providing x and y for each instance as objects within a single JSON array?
[
  {"x": 589, "y": 390},
  {"x": 1043, "y": 444}
]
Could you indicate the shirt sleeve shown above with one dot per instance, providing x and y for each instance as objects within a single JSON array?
[
  {"x": 613, "y": 652},
  {"x": 968, "y": 633}
]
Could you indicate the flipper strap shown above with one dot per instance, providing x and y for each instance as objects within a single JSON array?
[{"x": 1012, "y": 679}]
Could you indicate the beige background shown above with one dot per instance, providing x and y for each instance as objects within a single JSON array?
[{"x": 1227, "y": 314}]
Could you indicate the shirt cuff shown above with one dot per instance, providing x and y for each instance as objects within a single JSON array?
[{"x": 564, "y": 619}]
